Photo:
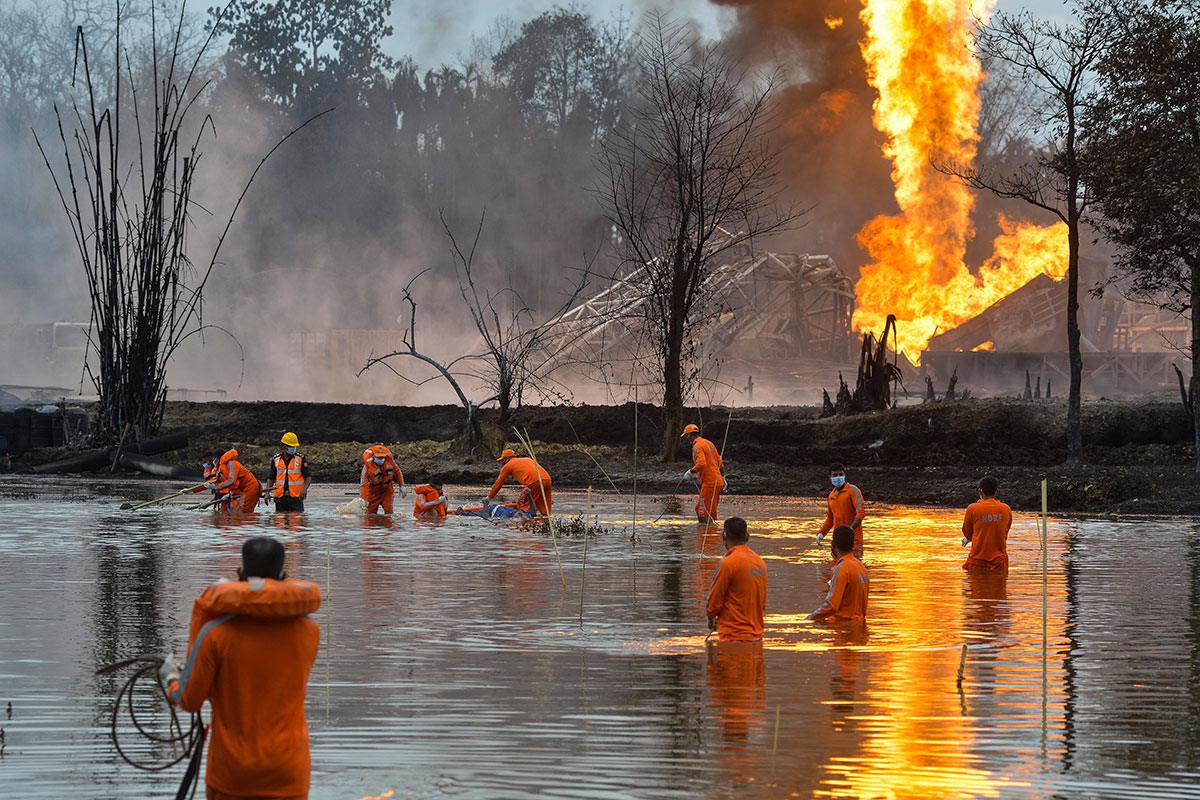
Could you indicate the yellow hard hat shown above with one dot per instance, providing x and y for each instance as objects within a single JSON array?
[
  {"x": 689, "y": 428},
  {"x": 289, "y": 440}
]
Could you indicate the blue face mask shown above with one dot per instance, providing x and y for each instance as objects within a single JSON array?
[
  {"x": 291, "y": 451},
  {"x": 838, "y": 481}
]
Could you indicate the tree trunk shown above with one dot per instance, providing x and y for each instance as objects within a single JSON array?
[
  {"x": 1195, "y": 387},
  {"x": 1074, "y": 398},
  {"x": 672, "y": 400}
]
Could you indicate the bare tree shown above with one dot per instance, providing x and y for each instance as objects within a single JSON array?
[
  {"x": 515, "y": 354},
  {"x": 689, "y": 174},
  {"x": 1057, "y": 60},
  {"x": 128, "y": 199}
]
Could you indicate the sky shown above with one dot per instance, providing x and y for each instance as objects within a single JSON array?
[{"x": 436, "y": 32}]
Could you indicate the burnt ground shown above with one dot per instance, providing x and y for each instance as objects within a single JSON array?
[{"x": 1137, "y": 453}]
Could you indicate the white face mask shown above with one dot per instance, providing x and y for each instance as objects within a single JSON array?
[
  {"x": 379, "y": 460},
  {"x": 291, "y": 451}
]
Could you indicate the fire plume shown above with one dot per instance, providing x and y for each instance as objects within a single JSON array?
[{"x": 919, "y": 61}]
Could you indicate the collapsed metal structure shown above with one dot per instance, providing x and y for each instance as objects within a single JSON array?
[
  {"x": 1126, "y": 346},
  {"x": 773, "y": 307}
]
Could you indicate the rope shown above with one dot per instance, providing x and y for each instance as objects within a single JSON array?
[{"x": 190, "y": 743}]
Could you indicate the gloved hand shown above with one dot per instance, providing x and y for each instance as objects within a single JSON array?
[
  {"x": 169, "y": 671},
  {"x": 724, "y": 483},
  {"x": 687, "y": 474},
  {"x": 820, "y": 538},
  {"x": 404, "y": 490},
  {"x": 965, "y": 541}
]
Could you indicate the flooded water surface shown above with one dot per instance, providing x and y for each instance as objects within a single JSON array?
[{"x": 458, "y": 661}]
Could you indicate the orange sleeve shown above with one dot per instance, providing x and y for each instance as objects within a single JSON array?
[
  {"x": 1007, "y": 519},
  {"x": 860, "y": 506},
  {"x": 716, "y": 594},
  {"x": 698, "y": 462},
  {"x": 968, "y": 528},
  {"x": 499, "y": 484},
  {"x": 198, "y": 676}
]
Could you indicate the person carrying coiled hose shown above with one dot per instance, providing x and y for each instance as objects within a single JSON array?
[{"x": 251, "y": 649}]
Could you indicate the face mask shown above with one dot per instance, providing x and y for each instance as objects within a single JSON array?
[
  {"x": 378, "y": 460},
  {"x": 291, "y": 451},
  {"x": 838, "y": 481}
]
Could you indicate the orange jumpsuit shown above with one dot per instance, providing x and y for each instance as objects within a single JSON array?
[
  {"x": 244, "y": 493},
  {"x": 423, "y": 507},
  {"x": 378, "y": 482},
  {"x": 254, "y": 672},
  {"x": 710, "y": 473},
  {"x": 848, "y": 590},
  {"x": 846, "y": 507},
  {"x": 534, "y": 478},
  {"x": 739, "y": 595},
  {"x": 986, "y": 526}
]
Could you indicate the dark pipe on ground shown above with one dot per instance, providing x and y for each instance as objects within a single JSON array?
[{"x": 97, "y": 459}]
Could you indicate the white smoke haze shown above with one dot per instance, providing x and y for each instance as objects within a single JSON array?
[{"x": 310, "y": 279}]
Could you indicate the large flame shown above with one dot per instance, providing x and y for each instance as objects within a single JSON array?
[{"x": 919, "y": 60}]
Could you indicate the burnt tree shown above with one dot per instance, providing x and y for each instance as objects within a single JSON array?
[
  {"x": 1057, "y": 60},
  {"x": 687, "y": 175}
]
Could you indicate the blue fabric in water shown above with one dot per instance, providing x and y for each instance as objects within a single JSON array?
[
  {"x": 504, "y": 512},
  {"x": 496, "y": 511}
]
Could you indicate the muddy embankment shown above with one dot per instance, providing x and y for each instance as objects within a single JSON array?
[{"x": 1136, "y": 452}]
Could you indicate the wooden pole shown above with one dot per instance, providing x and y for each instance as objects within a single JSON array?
[
  {"x": 635, "y": 459},
  {"x": 583, "y": 572},
  {"x": 525, "y": 440}
]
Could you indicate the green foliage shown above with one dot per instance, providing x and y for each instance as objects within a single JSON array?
[
  {"x": 295, "y": 46},
  {"x": 564, "y": 70},
  {"x": 1143, "y": 160}
]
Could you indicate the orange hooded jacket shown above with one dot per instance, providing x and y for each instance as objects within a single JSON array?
[
  {"x": 251, "y": 650},
  {"x": 246, "y": 489}
]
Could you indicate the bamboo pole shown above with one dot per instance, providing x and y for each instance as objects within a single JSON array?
[
  {"x": 583, "y": 571},
  {"x": 136, "y": 506},
  {"x": 528, "y": 443}
]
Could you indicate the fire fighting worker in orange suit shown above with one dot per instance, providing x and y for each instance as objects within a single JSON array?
[
  {"x": 210, "y": 469},
  {"x": 849, "y": 586},
  {"x": 845, "y": 507},
  {"x": 251, "y": 652},
  {"x": 739, "y": 591},
  {"x": 430, "y": 501},
  {"x": 379, "y": 473},
  {"x": 290, "y": 476},
  {"x": 530, "y": 475},
  {"x": 985, "y": 527},
  {"x": 708, "y": 470},
  {"x": 233, "y": 476}
]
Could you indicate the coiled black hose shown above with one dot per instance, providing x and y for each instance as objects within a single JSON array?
[{"x": 190, "y": 742}]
